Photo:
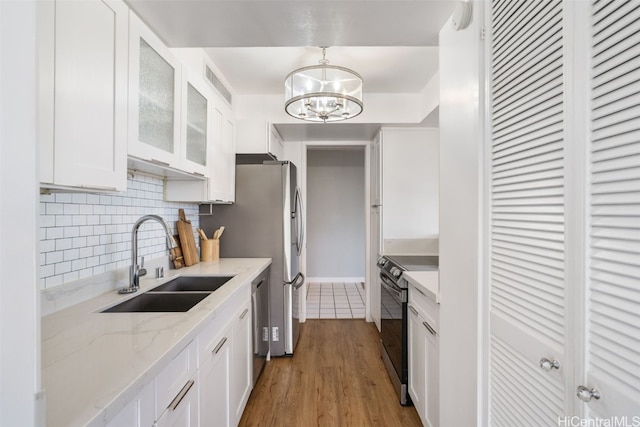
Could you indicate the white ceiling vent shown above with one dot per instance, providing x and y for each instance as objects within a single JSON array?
[{"x": 216, "y": 83}]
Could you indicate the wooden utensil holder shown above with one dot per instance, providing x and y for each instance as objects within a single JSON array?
[{"x": 209, "y": 250}]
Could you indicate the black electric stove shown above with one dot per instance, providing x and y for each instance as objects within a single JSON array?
[{"x": 394, "y": 316}]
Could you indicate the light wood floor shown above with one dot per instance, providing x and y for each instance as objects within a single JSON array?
[{"x": 336, "y": 378}]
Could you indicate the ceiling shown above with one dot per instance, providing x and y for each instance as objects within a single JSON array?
[{"x": 256, "y": 43}]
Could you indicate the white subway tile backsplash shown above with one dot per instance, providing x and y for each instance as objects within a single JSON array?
[
  {"x": 63, "y": 244},
  {"x": 79, "y": 242},
  {"x": 83, "y": 235},
  {"x": 71, "y": 209},
  {"x": 54, "y": 257},
  {"x": 63, "y": 267},
  {"x": 64, "y": 197},
  {"x": 64, "y": 220},
  {"x": 47, "y": 246},
  {"x": 79, "y": 198},
  {"x": 54, "y": 209},
  {"x": 47, "y": 270},
  {"x": 71, "y": 232},
  {"x": 85, "y": 252},
  {"x": 53, "y": 281},
  {"x": 71, "y": 254},
  {"x": 70, "y": 277}
]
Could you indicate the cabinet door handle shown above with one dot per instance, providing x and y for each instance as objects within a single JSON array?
[
  {"x": 197, "y": 173},
  {"x": 160, "y": 162},
  {"x": 429, "y": 328},
  {"x": 98, "y": 187},
  {"x": 244, "y": 313},
  {"x": 219, "y": 346},
  {"x": 419, "y": 290},
  {"x": 413, "y": 310},
  {"x": 176, "y": 400}
]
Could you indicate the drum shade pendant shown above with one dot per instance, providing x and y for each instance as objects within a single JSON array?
[{"x": 323, "y": 93}]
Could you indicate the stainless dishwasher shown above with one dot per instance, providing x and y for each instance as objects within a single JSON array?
[{"x": 260, "y": 319}]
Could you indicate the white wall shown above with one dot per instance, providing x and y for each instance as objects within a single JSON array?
[
  {"x": 461, "y": 177},
  {"x": 19, "y": 293},
  {"x": 335, "y": 213}
]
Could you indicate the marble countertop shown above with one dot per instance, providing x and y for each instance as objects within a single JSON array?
[
  {"x": 93, "y": 363},
  {"x": 428, "y": 281}
]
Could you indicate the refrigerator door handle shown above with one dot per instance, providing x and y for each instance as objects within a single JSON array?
[
  {"x": 299, "y": 217},
  {"x": 297, "y": 281}
]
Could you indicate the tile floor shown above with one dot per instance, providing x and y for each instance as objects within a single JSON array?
[{"x": 335, "y": 301}]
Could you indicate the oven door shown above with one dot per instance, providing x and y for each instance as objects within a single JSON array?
[{"x": 392, "y": 326}]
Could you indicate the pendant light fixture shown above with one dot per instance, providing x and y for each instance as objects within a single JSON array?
[{"x": 323, "y": 93}]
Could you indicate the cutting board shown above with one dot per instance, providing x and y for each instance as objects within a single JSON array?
[
  {"x": 188, "y": 243},
  {"x": 176, "y": 254}
]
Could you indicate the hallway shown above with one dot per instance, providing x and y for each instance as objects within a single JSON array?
[
  {"x": 336, "y": 378},
  {"x": 335, "y": 301}
]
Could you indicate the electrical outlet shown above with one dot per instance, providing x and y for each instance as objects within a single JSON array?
[
  {"x": 275, "y": 334},
  {"x": 265, "y": 333}
]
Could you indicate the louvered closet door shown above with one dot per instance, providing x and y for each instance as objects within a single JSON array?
[
  {"x": 527, "y": 289},
  {"x": 613, "y": 308}
]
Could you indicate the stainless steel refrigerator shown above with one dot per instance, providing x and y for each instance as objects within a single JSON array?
[{"x": 266, "y": 220}]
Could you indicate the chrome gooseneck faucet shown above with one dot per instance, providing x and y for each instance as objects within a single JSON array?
[{"x": 134, "y": 269}]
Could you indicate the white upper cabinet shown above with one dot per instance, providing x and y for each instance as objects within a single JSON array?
[
  {"x": 222, "y": 184},
  {"x": 408, "y": 194},
  {"x": 196, "y": 133},
  {"x": 154, "y": 98},
  {"x": 83, "y": 94},
  {"x": 220, "y": 187},
  {"x": 259, "y": 137}
]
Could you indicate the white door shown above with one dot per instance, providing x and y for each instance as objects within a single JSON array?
[
  {"x": 613, "y": 306},
  {"x": 565, "y": 212},
  {"x": 528, "y": 288}
]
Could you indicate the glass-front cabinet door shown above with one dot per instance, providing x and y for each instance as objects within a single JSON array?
[
  {"x": 195, "y": 135},
  {"x": 154, "y": 98}
]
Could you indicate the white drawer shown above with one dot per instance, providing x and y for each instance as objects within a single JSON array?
[
  {"x": 210, "y": 335},
  {"x": 174, "y": 377},
  {"x": 426, "y": 306}
]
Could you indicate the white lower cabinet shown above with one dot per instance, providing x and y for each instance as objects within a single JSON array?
[
  {"x": 241, "y": 363},
  {"x": 225, "y": 370},
  {"x": 214, "y": 377},
  {"x": 177, "y": 391},
  {"x": 423, "y": 358},
  {"x": 208, "y": 382}
]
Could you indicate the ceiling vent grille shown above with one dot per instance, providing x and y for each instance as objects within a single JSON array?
[{"x": 216, "y": 83}]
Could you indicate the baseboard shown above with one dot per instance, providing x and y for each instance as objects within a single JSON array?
[{"x": 334, "y": 279}]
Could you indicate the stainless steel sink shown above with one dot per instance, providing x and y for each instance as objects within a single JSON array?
[
  {"x": 193, "y": 284},
  {"x": 159, "y": 302}
]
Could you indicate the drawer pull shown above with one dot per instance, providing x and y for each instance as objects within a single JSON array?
[
  {"x": 429, "y": 328},
  {"x": 413, "y": 310},
  {"x": 176, "y": 400},
  {"x": 244, "y": 313},
  {"x": 219, "y": 346}
]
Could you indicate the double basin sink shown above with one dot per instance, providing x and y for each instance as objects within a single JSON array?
[{"x": 177, "y": 295}]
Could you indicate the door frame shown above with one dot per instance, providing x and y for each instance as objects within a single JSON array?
[{"x": 306, "y": 145}]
